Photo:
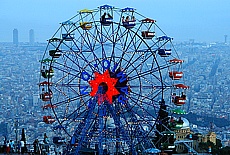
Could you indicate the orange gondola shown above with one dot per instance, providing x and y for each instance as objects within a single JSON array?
[{"x": 85, "y": 22}]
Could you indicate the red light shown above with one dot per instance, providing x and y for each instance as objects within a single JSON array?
[{"x": 110, "y": 83}]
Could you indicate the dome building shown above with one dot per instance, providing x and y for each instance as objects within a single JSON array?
[
  {"x": 184, "y": 131},
  {"x": 181, "y": 137},
  {"x": 187, "y": 141}
]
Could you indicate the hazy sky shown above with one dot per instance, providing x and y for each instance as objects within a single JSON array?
[{"x": 202, "y": 20}]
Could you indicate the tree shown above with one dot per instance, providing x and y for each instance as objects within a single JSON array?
[
  {"x": 23, "y": 136},
  {"x": 215, "y": 148}
]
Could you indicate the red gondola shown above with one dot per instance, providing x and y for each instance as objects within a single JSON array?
[
  {"x": 45, "y": 83},
  {"x": 175, "y": 75},
  {"x": 179, "y": 100},
  {"x": 176, "y": 61},
  {"x": 181, "y": 86},
  {"x": 48, "y": 106},
  {"x": 48, "y": 119},
  {"x": 148, "y": 34},
  {"x": 46, "y": 96},
  {"x": 147, "y": 20}
]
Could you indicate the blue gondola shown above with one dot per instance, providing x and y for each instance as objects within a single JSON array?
[
  {"x": 68, "y": 22},
  {"x": 106, "y": 21},
  {"x": 68, "y": 37},
  {"x": 164, "y": 52},
  {"x": 59, "y": 127},
  {"x": 54, "y": 40},
  {"x": 128, "y": 9},
  {"x": 164, "y": 38},
  {"x": 106, "y": 18},
  {"x": 147, "y": 34},
  {"x": 59, "y": 140},
  {"x": 128, "y": 23}
]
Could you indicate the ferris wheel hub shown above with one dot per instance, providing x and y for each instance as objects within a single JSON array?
[{"x": 103, "y": 87}]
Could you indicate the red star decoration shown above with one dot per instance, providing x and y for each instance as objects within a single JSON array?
[{"x": 110, "y": 82}]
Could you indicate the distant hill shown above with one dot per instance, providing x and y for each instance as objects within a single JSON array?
[{"x": 204, "y": 121}]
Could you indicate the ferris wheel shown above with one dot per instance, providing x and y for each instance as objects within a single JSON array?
[{"x": 107, "y": 75}]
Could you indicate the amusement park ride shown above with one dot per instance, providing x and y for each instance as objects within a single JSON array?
[{"x": 111, "y": 79}]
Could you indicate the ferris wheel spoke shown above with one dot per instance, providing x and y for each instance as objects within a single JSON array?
[
  {"x": 144, "y": 110},
  {"x": 78, "y": 112},
  {"x": 64, "y": 67},
  {"x": 83, "y": 39},
  {"x": 79, "y": 66},
  {"x": 143, "y": 74},
  {"x": 114, "y": 42},
  {"x": 138, "y": 65},
  {"x": 68, "y": 100},
  {"x": 145, "y": 97}
]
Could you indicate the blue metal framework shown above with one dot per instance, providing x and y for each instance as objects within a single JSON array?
[{"x": 85, "y": 47}]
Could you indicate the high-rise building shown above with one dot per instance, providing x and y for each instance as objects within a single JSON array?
[
  {"x": 225, "y": 38},
  {"x": 31, "y": 36},
  {"x": 15, "y": 36}
]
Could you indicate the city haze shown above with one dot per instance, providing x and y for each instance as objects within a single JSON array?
[{"x": 203, "y": 20}]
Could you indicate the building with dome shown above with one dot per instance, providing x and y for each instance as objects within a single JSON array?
[
  {"x": 183, "y": 144},
  {"x": 184, "y": 131},
  {"x": 188, "y": 141}
]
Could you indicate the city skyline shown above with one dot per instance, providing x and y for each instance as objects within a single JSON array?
[
  {"x": 73, "y": 63},
  {"x": 199, "y": 20}
]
